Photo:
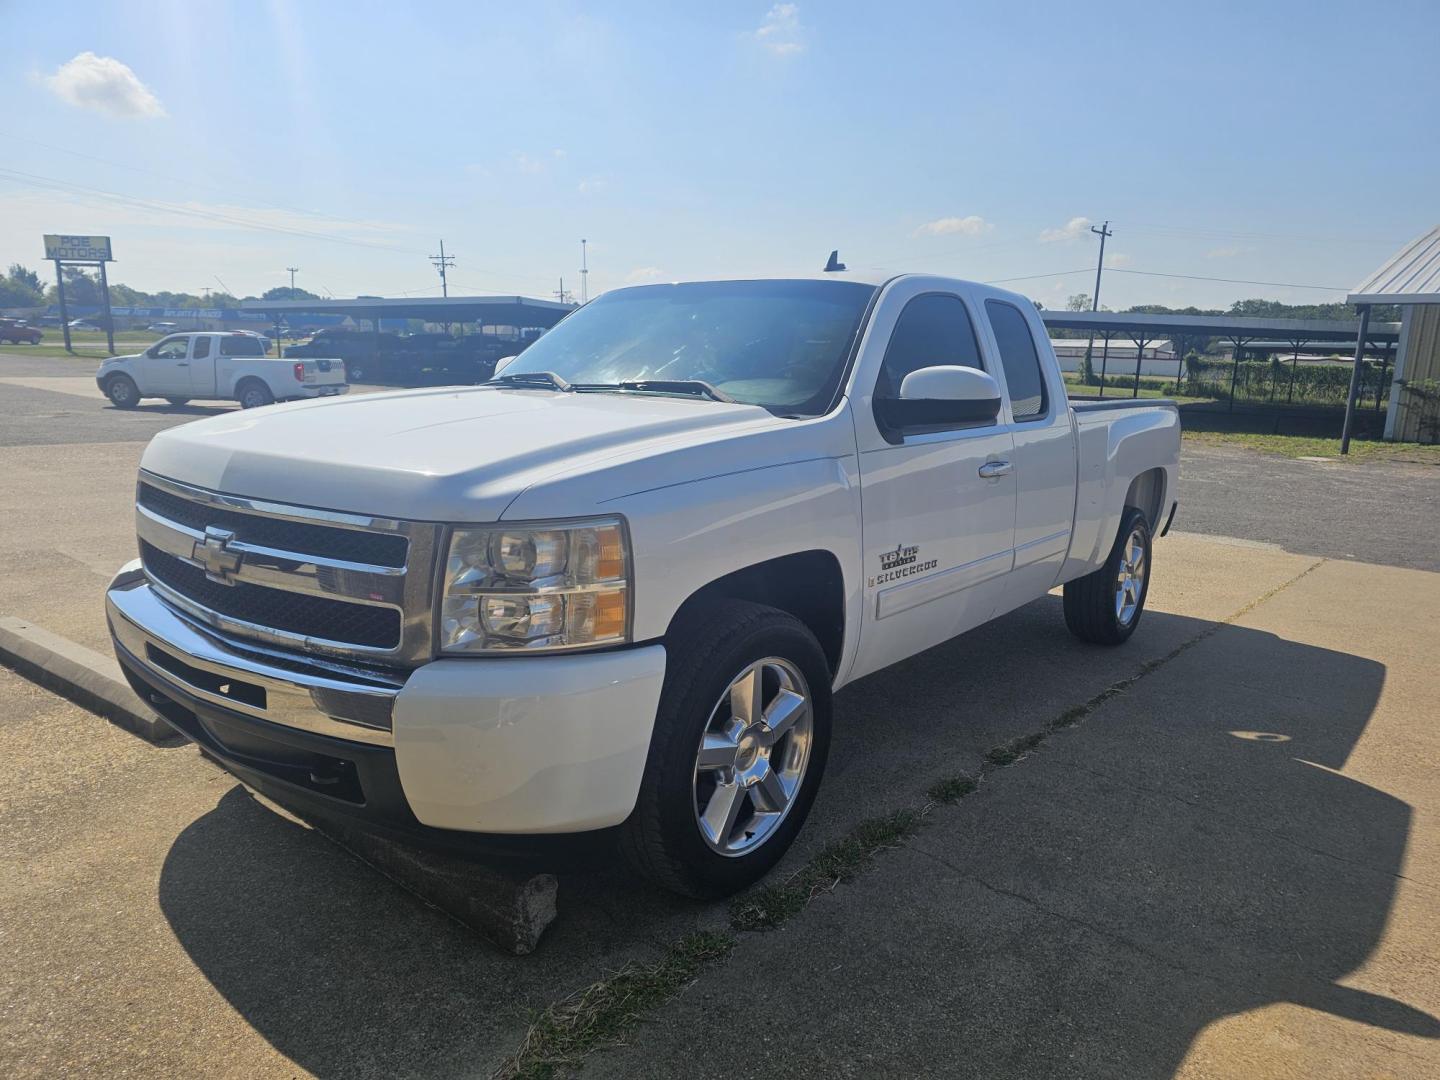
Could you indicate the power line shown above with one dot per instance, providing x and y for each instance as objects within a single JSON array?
[
  {"x": 1231, "y": 281},
  {"x": 36, "y": 180},
  {"x": 1032, "y": 277}
]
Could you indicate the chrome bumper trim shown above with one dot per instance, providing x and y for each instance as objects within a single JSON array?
[{"x": 193, "y": 662}]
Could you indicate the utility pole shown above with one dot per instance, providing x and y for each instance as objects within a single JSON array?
[
  {"x": 293, "y": 271},
  {"x": 443, "y": 263},
  {"x": 561, "y": 295},
  {"x": 584, "y": 274},
  {"x": 1101, "y": 232}
]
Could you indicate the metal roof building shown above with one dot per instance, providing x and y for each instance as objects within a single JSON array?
[
  {"x": 519, "y": 311},
  {"x": 1411, "y": 279}
]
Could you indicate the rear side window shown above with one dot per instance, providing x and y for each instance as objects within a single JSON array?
[
  {"x": 241, "y": 345},
  {"x": 202, "y": 348},
  {"x": 1021, "y": 361},
  {"x": 933, "y": 330}
]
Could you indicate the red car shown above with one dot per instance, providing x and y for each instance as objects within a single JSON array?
[{"x": 19, "y": 332}]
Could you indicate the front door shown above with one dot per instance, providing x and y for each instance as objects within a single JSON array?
[
  {"x": 938, "y": 505},
  {"x": 165, "y": 368}
]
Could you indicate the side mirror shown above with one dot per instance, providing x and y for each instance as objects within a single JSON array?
[
  {"x": 941, "y": 396},
  {"x": 500, "y": 365}
]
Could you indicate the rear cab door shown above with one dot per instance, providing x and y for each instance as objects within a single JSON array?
[
  {"x": 1044, "y": 451},
  {"x": 938, "y": 505},
  {"x": 202, "y": 365}
]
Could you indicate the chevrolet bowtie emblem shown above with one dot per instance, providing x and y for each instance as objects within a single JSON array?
[{"x": 214, "y": 554}]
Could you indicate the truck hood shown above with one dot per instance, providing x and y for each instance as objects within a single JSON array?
[{"x": 437, "y": 454}]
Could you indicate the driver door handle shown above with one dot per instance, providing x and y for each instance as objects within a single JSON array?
[
  {"x": 183, "y": 363},
  {"x": 993, "y": 470}
]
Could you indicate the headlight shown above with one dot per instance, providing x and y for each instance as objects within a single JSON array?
[{"x": 563, "y": 586}]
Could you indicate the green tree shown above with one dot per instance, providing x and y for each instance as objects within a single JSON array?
[
  {"x": 23, "y": 275},
  {"x": 284, "y": 292},
  {"x": 1079, "y": 302}
]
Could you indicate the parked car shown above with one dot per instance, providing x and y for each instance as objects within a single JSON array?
[
  {"x": 163, "y": 327},
  {"x": 609, "y": 595},
  {"x": 226, "y": 366},
  {"x": 368, "y": 356},
  {"x": 19, "y": 332},
  {"x": 85, "y": 324}
]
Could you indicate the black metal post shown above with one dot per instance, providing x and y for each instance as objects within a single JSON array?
[
  {"x": 64, "y": 312},
  {"x": 1384, "y": 366},
  {"x": 1139, "y": 359},
  {"x": 1104, "y": 350},
  {"x": 1294, "y": 369},
  {"x": 1355, "y": 378},
  {"x": 1234, "y": 370},
  {"x": 109, "y": 318}
]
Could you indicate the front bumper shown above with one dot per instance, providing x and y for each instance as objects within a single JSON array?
[{"x": 523, "y": 746}]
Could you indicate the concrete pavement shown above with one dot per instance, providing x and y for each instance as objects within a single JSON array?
[{"x": 1230, "y": 870}]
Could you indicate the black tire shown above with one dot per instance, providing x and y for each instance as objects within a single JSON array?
[
  {"x": 122, "y": 391},
  {"x": 662, "y": 839},
  {"x": 1091, "y": 601},
  {"x": 178, "y": 401},
  {"x": 252, "y": 394},
  {"x": 355, "y": 372}
]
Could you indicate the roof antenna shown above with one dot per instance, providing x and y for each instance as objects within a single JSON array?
[{"x": 834, "y": 265}]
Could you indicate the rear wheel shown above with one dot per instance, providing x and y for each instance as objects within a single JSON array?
[
  {"x": 1105, "y": 607},
  {"x": 122, "y": 392},
  {"x": 739, "y": 747},
  {"x": 355, "y": 372},
  {"x": 252, "y": 394}
]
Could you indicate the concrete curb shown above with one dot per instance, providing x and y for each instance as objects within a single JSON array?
[
  {"x": 82, "y": 675},
  {"x": 511, "y": 909}
]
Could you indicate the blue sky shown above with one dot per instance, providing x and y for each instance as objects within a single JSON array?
[{"x": 1281, "y": 142}]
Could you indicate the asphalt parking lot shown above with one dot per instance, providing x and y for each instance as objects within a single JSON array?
[{"x": 1218, "y": 858}]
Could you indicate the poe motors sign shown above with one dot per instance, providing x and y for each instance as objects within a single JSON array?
[
  {"x": 65, "y": 250},
  {"x": 94, "y": 249}
]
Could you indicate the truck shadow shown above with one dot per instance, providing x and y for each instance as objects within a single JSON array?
[{"x": 1277, "y": 894}]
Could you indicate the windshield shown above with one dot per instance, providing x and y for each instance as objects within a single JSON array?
[{"x": 778, "y": 344}]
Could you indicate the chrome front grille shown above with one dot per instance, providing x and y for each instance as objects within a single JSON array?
[{"x": 316, "y": 580}]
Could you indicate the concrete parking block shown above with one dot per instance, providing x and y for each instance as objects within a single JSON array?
[{"x": 82, "y": 675}]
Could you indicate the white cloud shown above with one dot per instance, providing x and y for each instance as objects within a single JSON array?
[
  {"x": 780, "y": 31},
  {"x": 526, "y": 163},
  {"x": 1073, "y": 229},
  {"x": 1118, "y": 259},
  {"x": 106, "y": 85},
  {"x": 590, "y": 184},
  {"x": 642, "y": 274},
  {"x": 973, "y": 225}
]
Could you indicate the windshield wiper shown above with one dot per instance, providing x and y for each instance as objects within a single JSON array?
[
  {"x": 545, "y": 379},
  {"x": 693, "y": 387}
]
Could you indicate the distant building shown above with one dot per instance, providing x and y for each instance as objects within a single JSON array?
[
  {"x": 1158, "y": 359},
  {"x": 1411, "y": 278}
]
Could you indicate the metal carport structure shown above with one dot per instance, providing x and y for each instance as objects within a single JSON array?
[{"x": 520, "y": 311}]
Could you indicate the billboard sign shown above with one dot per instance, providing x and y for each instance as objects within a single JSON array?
[{"x": 78, "y": 248}]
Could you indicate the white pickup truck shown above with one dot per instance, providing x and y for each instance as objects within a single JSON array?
[
  {"x": 230, "y": 366},
  {"x": 612, "y": 591}
]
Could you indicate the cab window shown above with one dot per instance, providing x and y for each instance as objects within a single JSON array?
[
  {"x": 176, "y": 348},
  {"x": 241, "y": 345},
  {"x": 1023, "y": 376},
  {"x": 202, "y": 348}
]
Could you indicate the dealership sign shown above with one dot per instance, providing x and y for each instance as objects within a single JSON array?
[{"x": 78, "y": 248}]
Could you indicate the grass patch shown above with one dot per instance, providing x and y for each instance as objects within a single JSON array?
[
  {"x": 997, "y": 757},
  {"x": 840, "y": 860},
  {"x": 1294, "y": 446},
  {"x": 604, "y": 1012},
  {"x": 951, "y": 790}
]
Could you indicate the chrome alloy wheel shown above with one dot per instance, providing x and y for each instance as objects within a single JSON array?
[
  {"x": 752, "y": 756},
  {"x": 1130, "y": 580}
]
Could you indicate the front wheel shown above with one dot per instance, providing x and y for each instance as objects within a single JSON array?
[
  {"x": 1105, "y": 607},
  {"x": 122, "y": 392},
  {"x": 739, "y": 747}
]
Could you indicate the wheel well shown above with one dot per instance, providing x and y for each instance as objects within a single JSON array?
[
  {"x": 807, "y": 585},
  {"x": 1147, "y": 491}
]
